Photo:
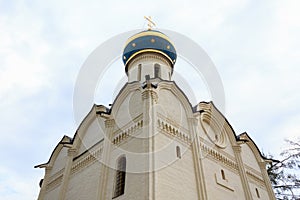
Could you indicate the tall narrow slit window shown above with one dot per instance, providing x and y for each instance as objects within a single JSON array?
[
  {"x": 178, "y": 152},
  {"x": 119, "y": 187},
  {"x": 257, "y": 193},
  {"x": 223, "y": 174},
  {"x": 139, "y": 74},
  {"x": 157, "y": 71}
]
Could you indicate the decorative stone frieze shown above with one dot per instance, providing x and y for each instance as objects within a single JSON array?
[
  {"x": 86, "y": 159},
  {"x": 221, "y": 158},
  {"x": 55, "y": 180},
  {"x": 173, "y": 131},
  {"x": 124, "y": 133}
]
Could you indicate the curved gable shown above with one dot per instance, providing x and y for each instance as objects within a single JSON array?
[
  {"x": 173, "y": 105},
  {"x": 127, "y": 106},
  {"x": 179, "y": 94},
  {"x": 57, "y": 158},
  {"x": 91, "y": 129},
  {"x": 250, "y": 152}
]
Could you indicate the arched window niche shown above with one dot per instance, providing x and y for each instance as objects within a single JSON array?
[
  {"x": 157, "y": 71},
  {"x": 119, "y": 185}
]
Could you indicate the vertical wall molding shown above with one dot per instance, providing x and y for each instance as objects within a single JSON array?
[
  {"x": 104, "y": 169},
  {"x": 66, "y": 175},
  {"x": 201, "y": 188},
  {"x": 237, "y": 151}
]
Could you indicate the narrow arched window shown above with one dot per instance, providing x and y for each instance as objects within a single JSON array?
[
  {"x": 156, "y": 70},
  {"x": 139, "y": 74},
  {"x": 178, "y": 152},
  {"x": 223, "y": 174},
  {"x": 257, "y": 193},
  {"x": 119, "y": 188}
]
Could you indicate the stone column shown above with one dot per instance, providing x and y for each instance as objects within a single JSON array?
[{"x": 245, "y": 183}]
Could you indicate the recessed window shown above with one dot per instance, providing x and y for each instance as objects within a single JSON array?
[
  {"x": 257, "y": 193},
  {"x": 139, "y": 74},
  {"x": 157, "y": 71},
  {"x": 223, "y": 174},
  {"x": 119, "y": 187},
  {"x": 178, "y": 152},
  {"x": 147, "y": 77}
]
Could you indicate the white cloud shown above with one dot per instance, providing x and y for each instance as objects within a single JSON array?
[
  {"x": 15, "y": 187},
  {"x": 22, "y": 53}
]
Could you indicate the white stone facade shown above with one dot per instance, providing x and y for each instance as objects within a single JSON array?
[{"x": 172, "y": 150}]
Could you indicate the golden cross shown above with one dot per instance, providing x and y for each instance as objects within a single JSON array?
[{"x": 151, "y": 24}]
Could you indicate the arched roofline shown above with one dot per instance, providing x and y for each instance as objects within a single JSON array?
[
  {"x": 125, "y": 90},
  {"x": 74, "y": 142},
  {"x": 175, "y": 89},
  {"x": 244, "y": 137},
  {"x": 136, "y": 85},
  {"x": 64, "y": 141},
  {"x": 89, "y": 118}
]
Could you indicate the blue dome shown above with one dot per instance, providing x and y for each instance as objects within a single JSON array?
[{"x": 149, "y": 41}]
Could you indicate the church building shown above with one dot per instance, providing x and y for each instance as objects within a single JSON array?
[{"x": 151, "y": 143}]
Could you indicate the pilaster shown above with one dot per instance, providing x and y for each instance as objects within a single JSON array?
[
  {"x": 201, "y": 188},
  {"x": 45, "y": 183},
  {"x": 66, "y": 175},
  {"x": 237, "y": 151},
  {"x": 266, "y": 178},
  {"x": 150, "y": 98},
  {"x": 104, "y": 169}
]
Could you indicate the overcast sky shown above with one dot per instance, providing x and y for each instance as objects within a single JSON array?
[{"x": 43, "y": 44}]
